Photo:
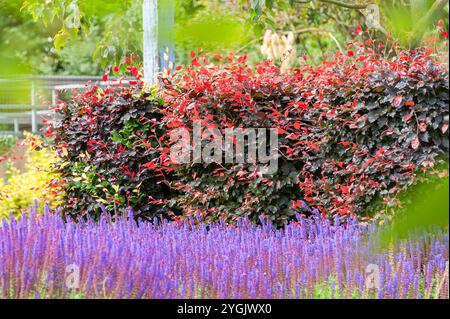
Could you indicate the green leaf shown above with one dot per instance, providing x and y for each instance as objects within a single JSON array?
[
  {"x": 425, "y": 205},
  {"x": 60, "y": 39}
]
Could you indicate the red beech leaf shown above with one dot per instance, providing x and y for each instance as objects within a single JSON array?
[
  {"x": 415, "y": 143},
  {"x": 397, "y": 100}
]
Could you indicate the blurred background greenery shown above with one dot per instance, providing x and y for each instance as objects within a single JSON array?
[
  {"x": 424, "y": 207},
  {"x": 82, "y": 37}
]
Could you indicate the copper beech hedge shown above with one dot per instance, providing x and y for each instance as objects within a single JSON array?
[{"x": 353, "y": 132}]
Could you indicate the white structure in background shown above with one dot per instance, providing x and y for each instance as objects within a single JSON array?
[
  {"x": 277, "y": 47},
  {"x": 36, "y": 93},
  {"x": 157, "y": 55},
  {"x": 150, "y": 40}
]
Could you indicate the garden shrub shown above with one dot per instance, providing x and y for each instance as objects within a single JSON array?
[
  {"x": 352, "y": 131},
  {"x": 107, "y": 140},
  {"x": 387, "y": 120},
  {"x": 37, "y": 181}
]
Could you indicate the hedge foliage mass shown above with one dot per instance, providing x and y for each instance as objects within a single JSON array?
[{"x": 353, "y": 132}]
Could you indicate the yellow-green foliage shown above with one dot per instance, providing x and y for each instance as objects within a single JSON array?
[{"x": 37, "y": 181}]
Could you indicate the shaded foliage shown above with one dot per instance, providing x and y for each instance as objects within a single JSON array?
[
  {"x": 106, "y": 140},
  {"x": 353, "y": 132}
]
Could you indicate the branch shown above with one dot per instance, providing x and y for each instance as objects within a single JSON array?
[{"x": 345, "y": 5}]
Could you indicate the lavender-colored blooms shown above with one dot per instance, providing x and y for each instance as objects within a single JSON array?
[{"x": 124, "y": 259}]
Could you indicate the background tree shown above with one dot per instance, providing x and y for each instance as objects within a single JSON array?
[
  {"x": 83, "y": 37},
  {"x": 409, "y": 20}
]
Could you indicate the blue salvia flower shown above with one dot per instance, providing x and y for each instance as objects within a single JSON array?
[{"x": 123, "y": 258}]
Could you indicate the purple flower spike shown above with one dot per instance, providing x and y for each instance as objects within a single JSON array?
[{"x": 46, "y": 257}]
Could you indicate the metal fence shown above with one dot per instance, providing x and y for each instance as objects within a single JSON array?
[{"x": 25, "y": 100}]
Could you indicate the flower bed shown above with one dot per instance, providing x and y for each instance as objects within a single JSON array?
[{"x": 309, "y": 258}]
